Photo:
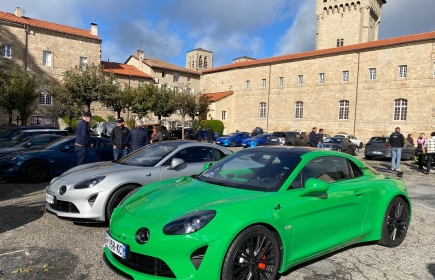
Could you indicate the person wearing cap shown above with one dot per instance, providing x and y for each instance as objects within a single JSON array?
[
  {"x": 83, "y": 139},
  {"x": 118, "y": 138}
]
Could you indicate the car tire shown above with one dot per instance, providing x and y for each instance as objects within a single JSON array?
[
  {"x": 34, "y": 171},
  {"x": 338, "y": 149},
  {"x": 395, "y": 224},
  {"x": 368, "y": 157},
  {"x": 259, "y": 144},
  {"x": 233, "y": 143},
  {"x": 355, "y": 151},
  {"x": 116, "y": 198},
  {"x": 360, "y": 145},
  {"x": 266, "y": 248}
]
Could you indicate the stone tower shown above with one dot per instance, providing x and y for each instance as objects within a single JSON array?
[
  {"x": 199, "y": 59},
  {"x": 347, "y": 22}
]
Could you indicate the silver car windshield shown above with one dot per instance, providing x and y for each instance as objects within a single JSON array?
[
  {"x": 333, "y": 140},
  {"x": 149, "y": 155}
]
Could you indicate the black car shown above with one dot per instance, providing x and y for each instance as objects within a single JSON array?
[
  {"x": 256, "y": 131},
  {"x": 189, "y": 133},
  {"x": 25, "y": 134},
  {"x": 340, "y": 144},
  {"x": 30, "y": 143},
  {"x": 288, "y": 138},
  {"x": 5, "y": 135}
]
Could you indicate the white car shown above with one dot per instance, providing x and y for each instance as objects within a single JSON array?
[
  {"x": 351, "y": 138},
  {"x": 103, "y": 129}
]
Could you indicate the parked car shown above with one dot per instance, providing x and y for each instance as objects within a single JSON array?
[
  {"x": 189, "y": 133},
  {"x": 103, "y": 129},
  {"x": 379, "y": 146},
  {"x": 110, "y": 182},
  {"x": 326, "y": 136},
  {"x": 30, "y": 143},
  {"x": 255, "y": 213},
  {"x": 233, "y": 139},
  {"x": 6, "y": 134},
  {"x": 256, "y": 141},
  {"x": 51, "y": 160},
  {"x": 167, "y": 135},
  {"x": 204, "y": 135},
  {"x": 288, "y": 138},
  {"x": 351, "y": 138},
  {"x": 341, "y": 144},
  {"x": 25, "y": 134}
]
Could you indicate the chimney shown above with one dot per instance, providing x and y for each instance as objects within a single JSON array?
[
  {"x": 18, "y": 12},
  {"x": 141, "y": 55},
  {"x": 138, "y": 54},
  {"x": 94, "y": 29}
]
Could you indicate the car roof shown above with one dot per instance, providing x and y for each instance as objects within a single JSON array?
[{"x": 42, "y": 130}]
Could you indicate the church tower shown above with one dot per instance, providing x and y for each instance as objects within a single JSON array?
[
  {"x": 199, "y": 59},
  {"x": 344, "y": 22}
]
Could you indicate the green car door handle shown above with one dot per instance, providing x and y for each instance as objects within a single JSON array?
[{"x": 359, "y": 193}]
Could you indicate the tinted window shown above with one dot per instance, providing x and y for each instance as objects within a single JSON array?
[
  {"x": 379, "y": 140},
  {"x": 149, "y": 155},
  {"x": 100, "y": 144},
  {"x": 196, "y": 154},
  {"x": 42, "y": 140},
  {"x": 328, "y": 169},
  {"x": 218, "y": 154},
  {"x": 277, "y": 134}
]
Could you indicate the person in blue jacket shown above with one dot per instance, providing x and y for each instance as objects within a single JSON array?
[
  {"x": 138, "y": 136},
  {"x": 83, "y": 138}
]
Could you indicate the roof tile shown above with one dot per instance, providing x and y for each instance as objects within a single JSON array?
[
  {"x": 123, "y": 69},
  {"x": 154, "y": 62},
  {"x": 216, "y": 96}
]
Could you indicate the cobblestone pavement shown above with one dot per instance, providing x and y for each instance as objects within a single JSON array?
[{"x": 37, "y": 245}]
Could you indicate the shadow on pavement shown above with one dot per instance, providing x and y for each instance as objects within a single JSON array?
[
  {"x": 11, "y": 190},
  {"x": 14, "y": 216},
  {"x": 431, "y": 269}
]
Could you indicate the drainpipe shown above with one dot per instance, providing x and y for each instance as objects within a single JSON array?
[
  {"x": 26, "y": 45},
  {"x": 356, "y": 95},
  {"x": 268, "y": 98}
]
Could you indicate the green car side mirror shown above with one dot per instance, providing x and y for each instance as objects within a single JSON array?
[{"x": 314, "y": 186}]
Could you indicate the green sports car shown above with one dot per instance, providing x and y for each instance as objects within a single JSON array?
[{"x": 254, "y": 214}]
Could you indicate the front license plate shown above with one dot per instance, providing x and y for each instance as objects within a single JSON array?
[
  {"x": 377, "y": 153},
  {"x": 244, "y": 145},
  {"x": 116, "y": 247},
  {"x": 49, "y": 198},
  {"x": 218, "y": 142}
]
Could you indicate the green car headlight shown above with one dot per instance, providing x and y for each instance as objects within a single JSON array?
[
  {"x": 89, "y": 183},
  {"x": 189, "y": 223}
]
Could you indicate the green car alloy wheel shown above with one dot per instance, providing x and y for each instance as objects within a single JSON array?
[{"x": 255, "y": 214}]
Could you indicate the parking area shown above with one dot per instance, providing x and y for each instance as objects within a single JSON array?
[{"x": 37, "y": 245}]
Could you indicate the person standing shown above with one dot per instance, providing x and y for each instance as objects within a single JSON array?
[
  {"x": 313, "y": 137},
  {"x": 430, "y": 151},
  {"x": 118, "y": 138},
  {"x": 138, "y": 137},
  {"x": 320, "y": 139},
  {"x": 83, "y": 139},
  {"x": 397, "y": 141},
  {"x": 410, "y": 140},
  {"x": 199, "y": 134},
  {"x": 156, "y": 135},
  {"x": 210, "y": 135},
  {"x": 419, "y": 150}
]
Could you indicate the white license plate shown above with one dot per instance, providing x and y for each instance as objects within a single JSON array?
[
  {"x": 244, "y": 145},
  {"x": 49, "y": 198},
  {"x": 274, "y": 140},
  {"x": 377, "y": 153},
  {"x": 218, "y": 142},
  {"x": 116, "y": 247}
]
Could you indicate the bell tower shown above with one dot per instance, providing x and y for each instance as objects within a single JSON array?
[{"x": 343, "y": 22}]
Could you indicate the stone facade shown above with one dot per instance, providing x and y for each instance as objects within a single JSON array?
[{"x": 199, "y": 59}]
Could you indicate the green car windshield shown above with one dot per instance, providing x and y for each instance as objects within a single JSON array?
[
  {"x": 252, "y": 170},
  {"x": 149, "y": 155}
]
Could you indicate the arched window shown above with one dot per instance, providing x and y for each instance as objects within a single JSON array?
[
  {"x": 200, "y": 62},
  {"x": 400, "y": 108},
  {"x": 262, "y": 109},
  {"x": 343, "y": 110},
  {"x": 205, "y": 62},
  {"x": 299, "y": 109}
]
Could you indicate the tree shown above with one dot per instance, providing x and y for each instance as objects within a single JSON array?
[
  {"x": 7, "y": 101},
  {"x": 142, "y": 101},
  {"x": 161, "y": 104},
  {"x": 184, "y": 102},
  {"x": 202, "y": 102}
]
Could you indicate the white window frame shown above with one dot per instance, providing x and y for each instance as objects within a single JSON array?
[
  {"x": 83, "y": 61},
  {"x": 345, "y": 76},
  {"x": 343, "y": 110},
  {"x": 176, "y": 78},
  {"x": 299, "y": 110},
  {"x": 262, "y": 110},
  {"x": 263, "y": 83},
  {"x": 281, "y": 82},
  {"x": 372, "y": 74},
  {"x": 6, "y": 50},
  {"x": 321, "y": 78},
  {"x": 47, "y": 58},
  {"x": 300, "y": 80},
  {"x": 403, "y": 71},
  {"x": 45, "y": 99},
  {"x": 400, "y": 109},
  {"x": 224, "y": 115},
  {"x": 248, "y": 84}
]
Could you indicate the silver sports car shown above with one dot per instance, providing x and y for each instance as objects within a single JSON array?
[{"x": 90, "y": 192}]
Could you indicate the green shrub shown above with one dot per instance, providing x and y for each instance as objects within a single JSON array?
[
  {"x": 98, "y": 119},
  {"x": 216, "y": 125},
  {"x": 74, "y": 122},
  {"x": 130, "y": 123},
  {"x": 111, "y": 119}
]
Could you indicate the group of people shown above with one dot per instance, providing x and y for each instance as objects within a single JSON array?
[
  {"x": 122, "y": 139},
  {"x": 316, "y": 139},
  {"x": 209, "y": 136},
  {"x": 425, "y": 146}
]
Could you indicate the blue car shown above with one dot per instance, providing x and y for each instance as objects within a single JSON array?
[
  {"x": 233, "y": 139},
  {"x": 259, "y": 140},
  {"x": 51, "y": 160},
  {"x": 204, "y": 135}
]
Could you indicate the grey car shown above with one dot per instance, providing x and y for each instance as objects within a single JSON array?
[
  {"x": 103, "y": 129},
  {"x": 289, "y": 138},
  {"x": 379, "y": 146},
  {"x": 90, "y": 192}
]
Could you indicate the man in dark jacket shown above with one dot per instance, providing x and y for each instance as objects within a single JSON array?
[
  {"x": 83, "y": 139},
  {"x": 199, "y": 134},
  {"x": 320, "y": 139},
  {"x": 396, "y": 141},
  {"x": 138, "y": 137},
  {"x": 118, "y": 138},
  {"x": 210, "y": 135},
  {"x": 313, "y": 137}
]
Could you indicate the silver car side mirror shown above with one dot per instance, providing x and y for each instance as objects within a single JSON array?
[{"x": 175, "y": 163}]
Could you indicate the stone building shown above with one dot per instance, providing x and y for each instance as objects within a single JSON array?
[
  {"x": 199, "y": 59},
  {"x": 47, "y": 50}
]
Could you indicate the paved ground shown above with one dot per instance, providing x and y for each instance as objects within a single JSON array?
[{"x": 38, "y": 245}]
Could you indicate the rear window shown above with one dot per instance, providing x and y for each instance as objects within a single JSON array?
[
  {"x": 277, "y": 134},
  {"x": 379, "y": 140}
]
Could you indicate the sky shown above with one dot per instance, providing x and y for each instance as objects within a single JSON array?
[{"x": 167, "y": 29}]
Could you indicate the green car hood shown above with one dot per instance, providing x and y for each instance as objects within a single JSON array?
[{"x": 183, "y": 196}]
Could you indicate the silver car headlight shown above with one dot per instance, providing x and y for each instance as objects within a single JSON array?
[
  {"x": 89, "y": 183},
  {"x": 189, "y": 223}
]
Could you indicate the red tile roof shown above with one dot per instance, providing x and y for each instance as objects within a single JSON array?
[
  {"x": 157, "y": 63},
  {"x": 315, "y": 53},
  {"x": 216, "y": 96},
  {"x": 47, "y": 25},
  {"x": 123, "y": 69}
]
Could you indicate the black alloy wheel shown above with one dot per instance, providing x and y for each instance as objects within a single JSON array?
[
  {"x": 254, "y": 254},
  {"x": 395, "y": 225},
  {"x": 116, "y": 198},
  {"x": 34, "y": 171},
  {"x": 259, "y": 144},
  {"x": 233, "y": 143}
]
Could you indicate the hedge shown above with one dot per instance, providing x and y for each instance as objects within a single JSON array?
[{"x": 216, "y": 125}]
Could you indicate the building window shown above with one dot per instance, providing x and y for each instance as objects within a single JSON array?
[
  {"x": 343, "y": 110},
  {"x": 140, "y": 84},
  {"x": 248, "y": 84},
  {"x": 263, "y": 83},
  {"x": 400, "y": 108},
  {"x": 321, "y": 78},
  {"x": 200, "y": 61},
  {"x": 345, "y": 76},
  {"x": 46, "y": 58},
  {"x": 372, "y": 74},
  {"x": 299, "y": 109},
  {"x": 163, "y": 74},
  {"x": 188, "y": 78},
  {"x": 205, "y": 62},
  {"x": 340, "y": 42},
  {"x": 45, "y": 99},
  {"x": 193, "y": 64},
  {"x": 262, "y": 109},
  {"x": 176, "y": 78},
  {"x": 300, "y": 80},
  {"x": 281, "y": 81},
  {"x": 224, "y": 115},
  {"x": 402, "y": 71},
  {"x": 6, "y": 50},
  {"x": 83, "y": 61}
]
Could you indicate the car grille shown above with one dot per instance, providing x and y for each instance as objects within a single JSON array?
[
  {"x": 146, "y": 264},
  {"x": 64, "y": 206}
]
